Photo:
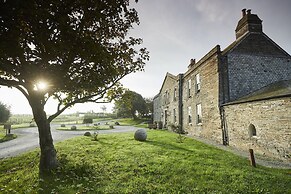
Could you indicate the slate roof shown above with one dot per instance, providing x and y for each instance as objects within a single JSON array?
[
  {"x": 276, "y": 90},
  {"x": 256, "y": 43}
]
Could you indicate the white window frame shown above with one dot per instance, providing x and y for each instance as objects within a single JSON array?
[
  {"x": 197, "y": 83},
  {"x": 199, "y": 114},
  {"x": 189, "y": 115},
  {"x": 189, "y": 88}
]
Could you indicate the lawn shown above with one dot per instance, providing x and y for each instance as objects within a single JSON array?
[
  {"x": 119, "y": 164},
  {"x": 132, "y": 122},
  {"x": 4, "y": 137},
  {"x": 85, "y": 127}
]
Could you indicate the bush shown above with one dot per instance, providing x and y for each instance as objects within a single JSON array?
[
  {"x": 4, "y": 113},
  {"x": 63, "y": 125},
  {"x": 117, "y": 123},
  {"x": 87, "y": 120},
  {"x": 95, "y": 136},
  {"x": 74, "y": 127}
]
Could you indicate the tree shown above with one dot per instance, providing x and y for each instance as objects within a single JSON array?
[
  {"x": 70, "y": 50},
  {"x": 150, "y": 106},
  {"x": 129, "y": 104},
  {"x": 103, "y": 108},
  {"x": 4, "y": 113}
]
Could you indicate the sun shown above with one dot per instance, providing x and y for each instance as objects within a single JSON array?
[{"x": 41, "y": 85}]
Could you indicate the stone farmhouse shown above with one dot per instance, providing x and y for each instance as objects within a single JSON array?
[{"x": 239, "y": 96}]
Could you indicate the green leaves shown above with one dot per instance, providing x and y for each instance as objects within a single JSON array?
[
  {"x": 130, "y": 104},
  {"x": 4, "y": 113},
  {"x": 82, "y": 47}
]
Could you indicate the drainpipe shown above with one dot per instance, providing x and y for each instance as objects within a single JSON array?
[{"x": 180, "y": 105}]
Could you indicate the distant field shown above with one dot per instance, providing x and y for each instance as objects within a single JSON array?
[{"x": 20, "y": 119}]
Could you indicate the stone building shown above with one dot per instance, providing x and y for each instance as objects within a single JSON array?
[{"x": 239, "y": 96}]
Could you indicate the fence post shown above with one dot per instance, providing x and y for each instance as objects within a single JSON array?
[{"x": 252, "y": 157}]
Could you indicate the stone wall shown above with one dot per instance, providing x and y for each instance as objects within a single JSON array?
[
  {"x": 271, "y": 119},
  {"x": 167, "y": 106},
  {"x": 207, "y": 67},
  {"x": 248, "y": 73},
  {"x": 157, "y": 108}
]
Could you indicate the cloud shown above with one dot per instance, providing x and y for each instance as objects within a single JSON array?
[{"x": 213, "y": 11}]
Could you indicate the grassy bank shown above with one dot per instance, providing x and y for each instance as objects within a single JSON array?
[
  {"x": 119, "y": 164},
  {"x": 4, "y": 137}
]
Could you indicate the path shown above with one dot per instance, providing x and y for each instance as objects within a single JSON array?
[
  {"x": 28, "y": 138},
  {"x": 264, "y": 161}
]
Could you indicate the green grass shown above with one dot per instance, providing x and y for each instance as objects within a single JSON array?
[
  {"x": 4, "y": 137},
  {"x": 131, "y": 122},
  {"x": 85, "y": 128},
  {"x": 7, "y": 137},
  {"x": 2, "y": 132},
  {"x": 119, "y": 164}
]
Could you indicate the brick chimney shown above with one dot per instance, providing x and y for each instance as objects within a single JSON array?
[{"x": 249, "y": 23}]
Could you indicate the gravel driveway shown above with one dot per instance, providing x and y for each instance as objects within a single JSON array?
[{"x": 27, "y": 138}]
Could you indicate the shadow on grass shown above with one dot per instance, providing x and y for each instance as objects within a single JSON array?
[
  {"x": 167, "y": 146},
  {"x": 8, "y": 137},
  {"x": 68, "y": 178}
]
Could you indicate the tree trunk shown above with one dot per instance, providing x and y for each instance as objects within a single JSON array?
[{"x": 48, "y": 157}]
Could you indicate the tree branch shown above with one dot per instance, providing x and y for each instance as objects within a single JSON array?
[{"x": 88, "y": 98}]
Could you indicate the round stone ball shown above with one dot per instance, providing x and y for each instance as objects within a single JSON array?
[
  {"x": 87, "y": 134},
  {"x": 140, "y": 135}
]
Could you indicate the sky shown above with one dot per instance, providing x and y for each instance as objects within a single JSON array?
[{"x": 176, "y": 31}]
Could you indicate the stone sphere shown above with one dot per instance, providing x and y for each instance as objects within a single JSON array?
[
  {"x": 87, "y": 134},
  {"x": 140, "y": 135}
]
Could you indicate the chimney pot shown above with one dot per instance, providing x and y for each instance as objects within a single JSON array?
[
  {"x": 249, "y": 11},
  {"x": 243, "y": 12},
  {"x": 192, "y": 61}
]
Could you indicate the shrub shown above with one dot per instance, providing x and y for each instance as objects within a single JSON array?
[
  {"x": 4, "y": 113},
  {"x": 87, "y": 120},
  {"x": 63, "y": 125},
  {"x": 95, "y": 136},
  {"x": 74, "y": 127}
]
